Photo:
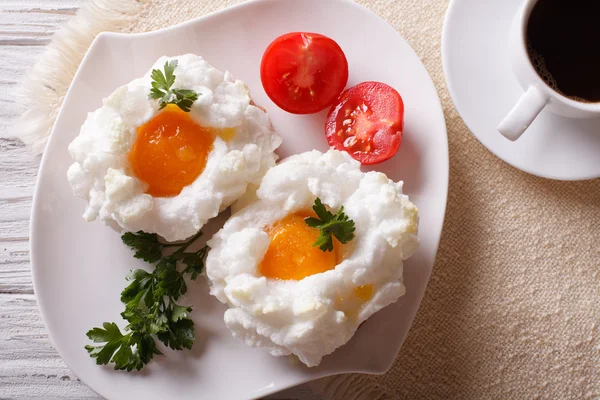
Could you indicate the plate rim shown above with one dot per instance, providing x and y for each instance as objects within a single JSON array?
[{"x": 103, "y": 36}]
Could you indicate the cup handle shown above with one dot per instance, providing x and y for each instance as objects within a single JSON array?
[{"x": 531, "y": 103}]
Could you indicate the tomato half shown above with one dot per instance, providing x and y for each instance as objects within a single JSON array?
[
  {"x": 303, "y": 73},
  {"x": 367, "y": 122}
]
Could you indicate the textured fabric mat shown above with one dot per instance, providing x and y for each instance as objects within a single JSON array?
[{"x": 513, "y": 306}]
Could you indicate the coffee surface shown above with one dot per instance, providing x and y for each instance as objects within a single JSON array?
[{"x": 563, "y": 40}]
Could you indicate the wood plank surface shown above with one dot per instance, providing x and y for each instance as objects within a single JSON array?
[{"x": 30, "y": 367}]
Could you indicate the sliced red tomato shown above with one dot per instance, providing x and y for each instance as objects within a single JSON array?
[
  {"x": 303, "y": 73},
  {"x": 367, "y": 122}
]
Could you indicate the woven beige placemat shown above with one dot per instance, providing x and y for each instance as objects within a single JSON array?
[{"x": 513, "y": 306}]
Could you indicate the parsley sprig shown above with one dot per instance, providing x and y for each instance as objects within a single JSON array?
[
  {"x": 163, "y": 92},
  {"x": 150, "y": 305},
  {"x": 338, "y": 225}
]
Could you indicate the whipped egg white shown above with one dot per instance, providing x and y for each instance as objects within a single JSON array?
[
  {"x": 312, "y": 316},
  {"x": 242, "y": 151}
]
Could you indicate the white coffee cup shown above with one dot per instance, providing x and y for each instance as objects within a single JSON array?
[{"x": 538, "y": 95}]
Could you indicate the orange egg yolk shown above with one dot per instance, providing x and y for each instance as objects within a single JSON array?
[
  {"x": 291, "y": 254},
  {"x": 170, "y": 152},
  {"x": 364, "y": 292}
]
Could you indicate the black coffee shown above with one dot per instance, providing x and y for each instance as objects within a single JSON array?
[{"x": 563, "y": 39}]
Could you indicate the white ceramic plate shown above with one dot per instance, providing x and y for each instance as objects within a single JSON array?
[
  {"x": 79, "y": 268},
  {"x": 484, "y": 89}
]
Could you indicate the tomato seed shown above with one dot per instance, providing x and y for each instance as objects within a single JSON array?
[{"x": 350, "y": 141}]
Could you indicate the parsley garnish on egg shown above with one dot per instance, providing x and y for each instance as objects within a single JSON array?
[
  {"x": 338, "y": 225},
  {"x": 150, "y": 305},
  {"x": 162, "y": 91}
]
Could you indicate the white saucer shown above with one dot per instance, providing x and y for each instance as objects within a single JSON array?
[{"x": 484, "y": 89}]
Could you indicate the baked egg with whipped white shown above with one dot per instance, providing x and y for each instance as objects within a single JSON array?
[
  {"x": 167, "y": 152},
  {"x": 294, "y": 281}
]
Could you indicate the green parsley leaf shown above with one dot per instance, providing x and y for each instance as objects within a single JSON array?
[
  {"x": 147, "y": 246},
  {"x": 110, "y": 332},
  {"x": 163, "y": 92},
  {"x": 330, "y": 225},
  {"x": 194, "y": 262},
  {"x": 180, "y": 312},
  {"x": 150, "y": 303},
  {"x": 140, "y": 282},
  {"x": 180, "y": 334},
  {"x": 103, "y": 354},
  {"x": 169, "y": 281},
  {"x": 126, "y": 351}
]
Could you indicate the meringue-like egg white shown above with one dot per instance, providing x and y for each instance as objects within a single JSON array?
[
  {"x": 290, "y": 297},
  {"x": 169, "y": 171}
]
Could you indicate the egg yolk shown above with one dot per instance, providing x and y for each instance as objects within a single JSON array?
[
  {"x": 291, "y": 254},
  {"x": 351, "y": 303},
  {"x": 364, "y": 292},
  {"x": 170, "y": 152}
]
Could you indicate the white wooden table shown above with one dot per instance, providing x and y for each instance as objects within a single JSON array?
[{"x": 30, "y": 367}]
